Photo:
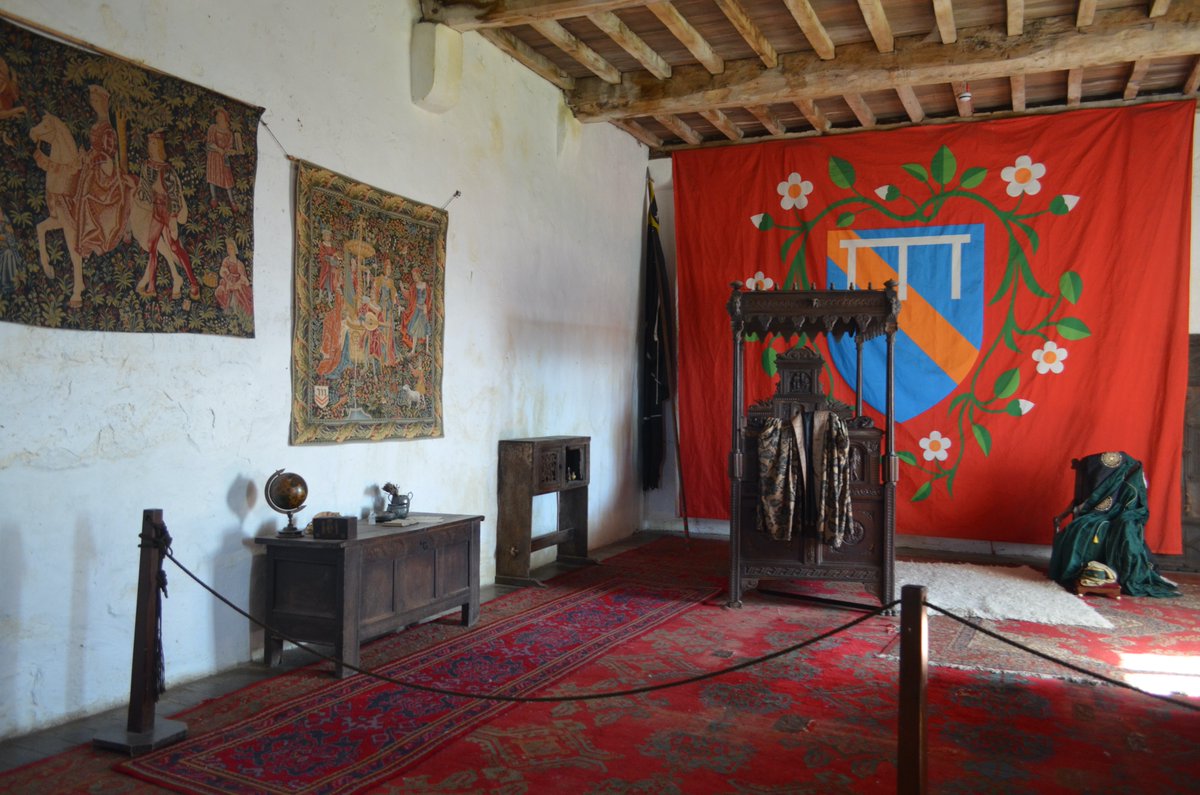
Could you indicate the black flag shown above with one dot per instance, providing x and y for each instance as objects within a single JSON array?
[{"x": 655, "y": 384}]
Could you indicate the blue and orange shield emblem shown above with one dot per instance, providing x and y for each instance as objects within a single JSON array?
[{"x": 939, "y": 270}]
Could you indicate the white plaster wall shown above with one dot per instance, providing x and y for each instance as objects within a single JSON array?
[{"x": 541, "y": 323}]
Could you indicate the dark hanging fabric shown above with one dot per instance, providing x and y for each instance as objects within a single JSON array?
[
  {"x": 804, "y": 476},
  {"x": 655, "y": 386},
  {"x": 1109, "y": 522},
  {"x": 835, "y": 512},
  {"x": 781, "y": 470}
]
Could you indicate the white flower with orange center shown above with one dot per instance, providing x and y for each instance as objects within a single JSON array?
[
  {"x": 936, "y": 446},
  {"x": 1023, "y": 176},
  {"x": 760, "y": 282},
  {"x": 1050, "y": 358},
  {"x": 794, "y": 192}
]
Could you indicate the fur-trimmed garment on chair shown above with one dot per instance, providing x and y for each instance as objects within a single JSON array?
[{"x": 804, "y": 476}]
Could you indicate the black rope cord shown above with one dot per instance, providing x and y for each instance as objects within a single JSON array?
[
  {"x": 665, "y": 685},
  {"x": 1064, "y": 663},
  {"x": 160, "y": 539},
  {"x": 542, "y": 699}
]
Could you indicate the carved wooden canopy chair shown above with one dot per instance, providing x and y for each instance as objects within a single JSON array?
[{"x": 866, "y": 551}]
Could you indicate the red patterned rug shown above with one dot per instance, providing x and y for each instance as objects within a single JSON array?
[
  {"x": 818, "y": 720},
  {"x": 1154, "y": 643},
  {"x": 359, "y": 731}
]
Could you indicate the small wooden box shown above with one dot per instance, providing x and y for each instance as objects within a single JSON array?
[{"x": 338, "y": 528}]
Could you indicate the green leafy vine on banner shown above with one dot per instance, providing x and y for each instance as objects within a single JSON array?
[{"x": 975, "y": 401}]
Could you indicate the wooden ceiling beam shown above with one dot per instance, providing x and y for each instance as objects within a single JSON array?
[
  {"x": 1136, "y": 75},
  {"x": 639, "y": 132},
  {"x": 680, "y": 128},
  {"x": 1159, "y": 8},
  {"x": 963, "y": 101},
  {"x": 531, "y": 58},
  {"x": 1015, "y": 17},
  {"x": 1017, "y": 88},
  {"x": 688, "y": 36},
  {"x": 1193, "y": 79},
  {"x": 769, "y": 119},
  {"x": 1047, "y": 45},
  {"x": 819, "y": 121},
  {"x": 736, "y": 13},
  {"x": 1074, "y": 87},
  {"x": 812, "y": 28},
  {"x": 566, "y": 41},
  {"x": 1087, "y": 13},
  {"x": 632, "y": 43},
  {"x": 877, "y": 24},
  {"x": 466, "y": 15},
  {"x": 912, "y": 105},
  {"x": 862, "y": 111},
  {"x": 943, "y": 12},
  {"x": 724, "y": 124}
]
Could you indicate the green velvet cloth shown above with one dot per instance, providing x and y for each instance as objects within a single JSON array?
[{"x": 1111, "y": 533}]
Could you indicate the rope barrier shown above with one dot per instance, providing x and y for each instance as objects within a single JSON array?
[
  {"x": 157, "y": 537},
  {"x": 665, "y": 685},
  {"x": 539, "y": 699}
]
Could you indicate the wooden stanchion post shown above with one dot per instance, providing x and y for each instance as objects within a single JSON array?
[
  {"x": 142, "y": 734},
  {"x": 914, "y": 664}
]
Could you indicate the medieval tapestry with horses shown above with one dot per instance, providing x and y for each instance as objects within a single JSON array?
[
  {"x": 367, "y": 345},
  {"x": 127, "y": 197}
]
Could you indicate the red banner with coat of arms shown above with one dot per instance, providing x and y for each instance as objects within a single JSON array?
[{"x": 1043, "y": 268}]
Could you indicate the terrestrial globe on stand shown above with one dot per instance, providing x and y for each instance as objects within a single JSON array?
[{"x": 286, "y": 493}]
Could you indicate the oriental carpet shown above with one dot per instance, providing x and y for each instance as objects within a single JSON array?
[
  {"x": 1151, "y": 639},
  {"x": 818, "y": 720},
  {"x": 361, "y": 731}
]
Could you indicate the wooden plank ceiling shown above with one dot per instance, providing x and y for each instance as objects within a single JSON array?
[{"x": 695, "y": 73}]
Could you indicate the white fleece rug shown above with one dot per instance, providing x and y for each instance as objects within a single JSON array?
[{"x": 998, "y": 592}]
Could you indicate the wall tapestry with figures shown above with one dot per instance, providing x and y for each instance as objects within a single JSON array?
[
  {"x": 367, "y": 347},
  {"x": 1042, "y": 265},
  {"x": 126, "y": 201}
]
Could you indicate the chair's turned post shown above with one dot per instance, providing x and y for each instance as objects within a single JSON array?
[
  {"x": 737, "y": 446},
  {"x": 141, "y": 733},
  {"x": 914, "y": 664},
  {"x": 858, "y": 375}
]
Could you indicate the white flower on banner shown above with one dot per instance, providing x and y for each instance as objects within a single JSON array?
[
  {"x": 1022, "y": 176},
  {"x": 794, "y": 192},
  {"x": 1050, "y": 358},
  {"x": 760, "y": 282},
  {"x": 936, "y": 446}
]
